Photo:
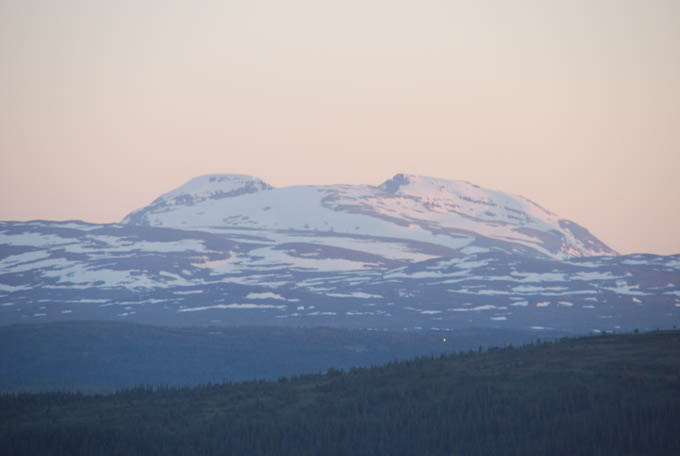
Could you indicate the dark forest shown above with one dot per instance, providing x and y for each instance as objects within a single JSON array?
[{"x": 607, "y": 394}]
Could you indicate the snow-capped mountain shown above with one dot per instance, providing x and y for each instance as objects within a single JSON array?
[
  {"x": 455, "y": 215},
  {"x": 413, "y": 252},
  {"x": 198, "y": 190}
]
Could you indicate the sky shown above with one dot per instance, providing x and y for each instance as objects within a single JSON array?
[{"x": 574, "y": 104}]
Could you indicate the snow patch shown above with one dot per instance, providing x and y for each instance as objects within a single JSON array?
[
  {"x": 232, "y": 306},
  {"x": 474, "y": 309},
  {"x": 356, "y": 294},
  {"x": 265, "y": 295}
]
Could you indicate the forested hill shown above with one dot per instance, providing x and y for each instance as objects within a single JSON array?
[{"x": 612, "y": 394}]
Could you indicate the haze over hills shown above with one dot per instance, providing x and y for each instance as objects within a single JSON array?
[{"x": 413, "y": 252}]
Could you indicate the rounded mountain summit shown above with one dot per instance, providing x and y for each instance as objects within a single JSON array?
[{"x": 452, "y": 215}]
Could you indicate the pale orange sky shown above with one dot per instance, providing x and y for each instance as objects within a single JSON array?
[{"x": 104, "y": 105}]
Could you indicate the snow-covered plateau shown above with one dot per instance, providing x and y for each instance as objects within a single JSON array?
[{"x": 413, "y": 252}]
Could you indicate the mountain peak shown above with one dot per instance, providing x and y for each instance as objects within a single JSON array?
[
  {"x": 395, "y": 183},
  {"x": 462, "y": 192},
  {"x": 215, "y": 186},
  {"x": 413, "y": 183},
  {"x": 199, "y": 189}
]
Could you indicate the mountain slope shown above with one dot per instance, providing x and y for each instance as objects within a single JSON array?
[{"x": 53, "y": 271}]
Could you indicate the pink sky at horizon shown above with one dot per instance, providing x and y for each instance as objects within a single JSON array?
[{"x": 574, "y": 105}]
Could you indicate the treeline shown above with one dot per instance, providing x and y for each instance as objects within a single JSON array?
[{"x": 589, "y": 396}]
